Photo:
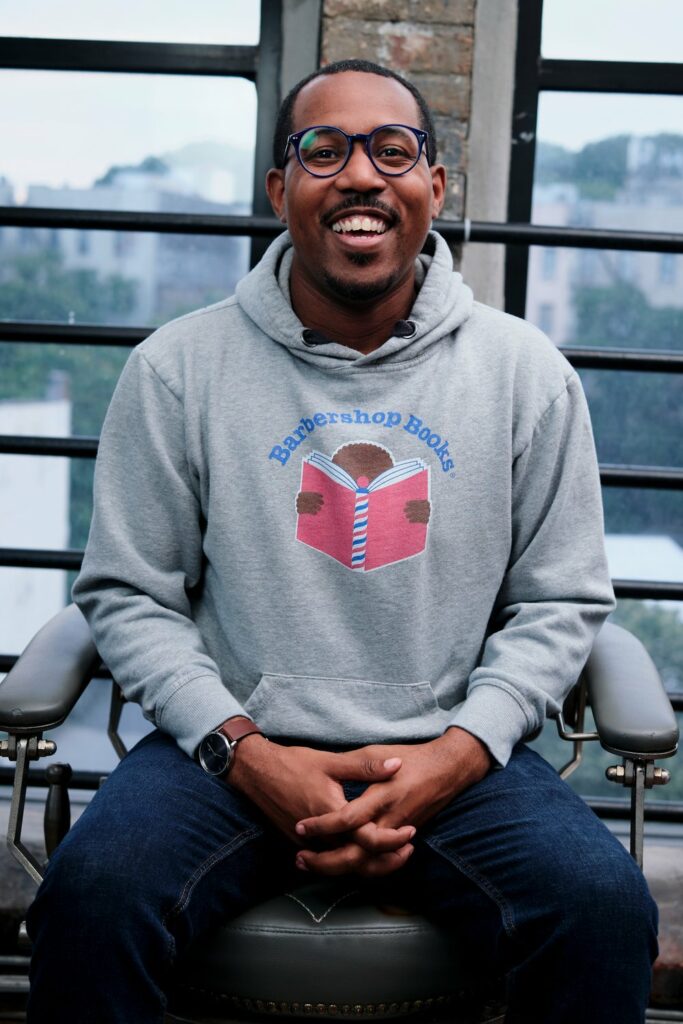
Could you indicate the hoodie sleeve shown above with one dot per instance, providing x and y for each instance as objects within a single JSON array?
[
  {"x": 144, "y": 556},
  {"x": 556, "y": 592}
]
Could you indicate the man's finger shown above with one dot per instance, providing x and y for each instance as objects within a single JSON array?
[
  {"x": 355, "y": 765},
  {"x": 340, "y": 861},
  {"x": 377, "y": 839},
  {"x": 355, "y": 813},
  {"x": 385, "y": 863},
  {"x": 352, "y": 858}
]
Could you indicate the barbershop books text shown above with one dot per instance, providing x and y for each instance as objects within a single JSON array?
[{"x": 363, "y": 531}]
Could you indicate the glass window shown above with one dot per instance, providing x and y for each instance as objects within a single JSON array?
[
  {"x": 637, "y": 417},
  {"x": 627, "y": 30},
  {"x": 158, "y": 143},
  {"x": 608, "y": 297},
  {"x": 667, "y": 267},
  {"x": 120, "y": 278},
  {"x": 546, "y": 317},
  {"x": 644, "y": 534},
  {"x": 208, "y": 21},
  {"x": 549, "y": 263}
]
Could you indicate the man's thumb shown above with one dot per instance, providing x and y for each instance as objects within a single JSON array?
[{"x": 360, "y": 767}]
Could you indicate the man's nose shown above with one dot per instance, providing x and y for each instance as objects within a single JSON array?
[{"x": 360, "y": 174}]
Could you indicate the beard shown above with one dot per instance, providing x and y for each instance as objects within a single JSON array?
[{"x": 359, "y": 291}]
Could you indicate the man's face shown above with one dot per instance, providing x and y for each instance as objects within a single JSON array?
[{"x": 343, "y": 264}]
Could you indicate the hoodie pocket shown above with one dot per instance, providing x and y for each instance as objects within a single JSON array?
[{"x": 342, "y": 710}]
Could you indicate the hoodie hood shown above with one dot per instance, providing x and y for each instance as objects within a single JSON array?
[{"x": 443, "y": 303}]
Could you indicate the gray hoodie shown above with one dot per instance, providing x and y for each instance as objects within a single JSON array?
[{"x": 347, "y": 548}]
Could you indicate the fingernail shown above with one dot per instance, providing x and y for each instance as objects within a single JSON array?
[
  {"x": 412, "y": 832},
  {"x": 301, "y": 864},
  {"x": 392, "y": 762},
  {"x": 300, "y": 829}
]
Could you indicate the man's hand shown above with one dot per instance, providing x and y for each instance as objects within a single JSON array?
[
  {"x": 291, "y": 783},
  {"x": 431, "y": 774}
]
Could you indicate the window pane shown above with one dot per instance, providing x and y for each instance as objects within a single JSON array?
[
  {"x": 172, "y": 143},
  {"x": 659, "y": 625},
  {"x": 113, "y": 277},
  {"x": 633, "y": 30},
  {"x": 637, "y": 417},
  {"x": 209, "y": 21},
  {"x": 28, "y": 598},
  {"x": 620, "y": 148},
  {"x": 619, "y": 299},
  {"x": 644, "y": 533}
]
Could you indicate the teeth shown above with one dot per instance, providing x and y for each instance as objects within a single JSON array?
[{"x": 368, "y": 224}]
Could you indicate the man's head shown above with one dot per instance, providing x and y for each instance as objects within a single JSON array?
[{"x": 356, "y": 233}]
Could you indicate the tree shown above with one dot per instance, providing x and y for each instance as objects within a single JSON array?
[{"x": 36, "y": 286}]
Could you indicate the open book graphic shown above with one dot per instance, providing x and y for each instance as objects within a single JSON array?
[{"x": 363, "y": 527}]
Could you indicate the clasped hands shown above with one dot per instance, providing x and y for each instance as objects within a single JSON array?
[{"x": 371, "y": 834}]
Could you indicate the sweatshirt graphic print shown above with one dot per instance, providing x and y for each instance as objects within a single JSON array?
[{"x": 363, "y": 508}]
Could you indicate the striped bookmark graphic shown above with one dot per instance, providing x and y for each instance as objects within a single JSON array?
[{"x": 360, "y": 524}]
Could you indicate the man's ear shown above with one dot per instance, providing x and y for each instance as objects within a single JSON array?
[
  {"x": 275, "y": 187},
  {"x": 438, "y": 189}
]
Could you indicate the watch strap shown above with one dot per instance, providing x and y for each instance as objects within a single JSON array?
[{"x": 237, "y": 728}]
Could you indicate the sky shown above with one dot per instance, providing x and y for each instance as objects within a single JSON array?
[{"x": 62, "y": 128}]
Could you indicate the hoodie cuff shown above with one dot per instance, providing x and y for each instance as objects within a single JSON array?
[
  {"x": 194, "y": 709},
  {"x": 495, "y": 717}
]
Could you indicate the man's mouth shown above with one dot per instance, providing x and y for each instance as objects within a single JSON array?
[{"x": 360, "y": 225}]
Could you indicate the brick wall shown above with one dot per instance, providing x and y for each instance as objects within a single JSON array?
[{"x": 431, "y": 43}]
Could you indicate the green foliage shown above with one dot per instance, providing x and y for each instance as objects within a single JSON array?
[
  {"x": 37, "y": 286},
  {"x": 150, "y": 165},
  {"x": 636, "y": 416},
  {"x": 554, "y": 164},
  {"x": 621, "y": 316},
  {"x": 601, "y": 166}
]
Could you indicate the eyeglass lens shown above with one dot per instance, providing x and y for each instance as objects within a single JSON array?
[{"x": 393, "y": 149}]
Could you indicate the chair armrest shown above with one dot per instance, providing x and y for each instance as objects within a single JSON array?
[
  {"x": 49, "y": 677},
  {"x": 633, "y": 714}
]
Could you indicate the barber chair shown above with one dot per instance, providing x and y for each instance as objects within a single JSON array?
[{"x": 326, "y": 949}]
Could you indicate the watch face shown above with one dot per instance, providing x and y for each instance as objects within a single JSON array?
[{"x": 215, "y": 753}]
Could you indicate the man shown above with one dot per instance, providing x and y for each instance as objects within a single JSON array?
[{"x": 347, "y": 551}]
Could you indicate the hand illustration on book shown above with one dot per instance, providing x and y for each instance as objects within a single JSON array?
[{"x": 362, "y": 508}]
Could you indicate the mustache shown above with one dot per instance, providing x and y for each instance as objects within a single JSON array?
[{"x": 365, "y": 202}]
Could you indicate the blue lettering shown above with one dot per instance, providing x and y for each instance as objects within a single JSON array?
[{"x": 279, "y": 453}]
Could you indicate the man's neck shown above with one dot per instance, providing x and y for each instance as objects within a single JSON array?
[{"x": 360, "y": 325}]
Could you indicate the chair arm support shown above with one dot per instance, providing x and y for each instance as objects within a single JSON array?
[
  {"x": 49, "y": 677},
  {"x": 632, "y": 711}
]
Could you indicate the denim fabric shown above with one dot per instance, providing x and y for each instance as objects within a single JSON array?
[{"x": 540, "y": 888}]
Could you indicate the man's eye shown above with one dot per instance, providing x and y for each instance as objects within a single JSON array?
[
  {"x": 322, "y": 153},
  {"x": 392, "y": 151}
]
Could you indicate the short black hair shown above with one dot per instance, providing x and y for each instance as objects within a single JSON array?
[{"x": 284, "y": 124}]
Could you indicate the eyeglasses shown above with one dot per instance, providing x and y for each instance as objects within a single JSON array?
[{"x": 323, "y": 151}]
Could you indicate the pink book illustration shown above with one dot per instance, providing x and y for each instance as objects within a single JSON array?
[{"x": 363, "y": 523}]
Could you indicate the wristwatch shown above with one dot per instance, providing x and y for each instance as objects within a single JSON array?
[{"x": 216, "y": 751}]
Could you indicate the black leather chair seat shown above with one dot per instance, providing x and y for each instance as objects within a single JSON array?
[{"x": 319, "y": 951}]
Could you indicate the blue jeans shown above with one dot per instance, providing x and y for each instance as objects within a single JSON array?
[{"x": 541, "y": 889}]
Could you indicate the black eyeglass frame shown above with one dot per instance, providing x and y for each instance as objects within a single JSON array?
[{"x": 295, "y": 140}]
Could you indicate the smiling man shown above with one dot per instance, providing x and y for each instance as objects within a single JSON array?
[{"x": 344, "y": 630}]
